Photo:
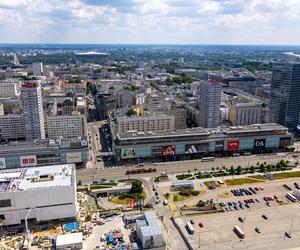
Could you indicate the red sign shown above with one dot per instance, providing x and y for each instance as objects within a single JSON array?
[
  {"x": 168, "y": 150},
  {"x": 28, "y": 161},
  {"x": 233, "y": 145}
]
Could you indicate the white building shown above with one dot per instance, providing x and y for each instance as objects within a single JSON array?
[
  {"x": 43, "y": 193},
  {"x": 12, "y": 127},
  {"x": 241, "y": 114},
  {"x": 154, "y": 122},
  {"x": 149, "y": 232},
  {"x": 65, "y": 126},
  {"x": 209, "y": 100},
  {"x": 71, "y": 241},
  {"x": 8, "y": 89},
  {"x": 32, "y": 105}
]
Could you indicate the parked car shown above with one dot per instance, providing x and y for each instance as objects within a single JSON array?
[{"x": 264, "y": 216}]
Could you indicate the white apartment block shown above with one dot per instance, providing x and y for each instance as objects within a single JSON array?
[
  {"x": 43, "y": 193},
  {"x": 159, "y": 122},
  {"x": 32, "y": 105},
  {"x": 12, "y": 127},
  {"x": 8, "y": 89},
  {"x": 65, "y": 126},
  {"x": 241, "y": 114},
  {"x": 209, "y": 100}
]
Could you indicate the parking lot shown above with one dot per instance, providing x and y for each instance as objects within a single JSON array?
[{"x": 281, "y": 215}]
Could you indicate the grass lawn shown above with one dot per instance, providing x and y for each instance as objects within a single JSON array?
[
  {"x": 241, "y": 181},
  {"x": 161, "y": 178},
  {"x": 177, "y": 197},
  {"x": 224, "y": 194},
  {"x": 116, "y": 199},
  {"x": 203, "y": 176},
  {"x": 260, "y": 177},
  {"x": 130, "y": 180},
  {"x": 92, "y": 187},
  {"x": 286, "y": 175},
  {"x": 183, "y": 176},
  {"x": 208, "y": 183}
]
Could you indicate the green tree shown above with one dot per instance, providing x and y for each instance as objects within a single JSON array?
[
  {"x": 136, "y": 187},
  {"x": 252, "y": 169},
  {"x": 262, "y": 168},
  {"x": 231, "y": 171},
  {"x": 131, "y": 112},
  {"x": 239, "y": 170}
]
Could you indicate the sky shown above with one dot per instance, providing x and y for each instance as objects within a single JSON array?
[{"x": 150, "y": 21}]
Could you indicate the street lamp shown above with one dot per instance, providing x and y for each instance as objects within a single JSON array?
[{"x": 26, "y": 223}]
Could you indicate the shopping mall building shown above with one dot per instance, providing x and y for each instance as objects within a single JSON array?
[
  {"x": 44, "y": 152},
  {"x": 198, "y": 142}
]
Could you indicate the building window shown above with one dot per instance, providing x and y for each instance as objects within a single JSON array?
[{"x": 5, "y": 203}]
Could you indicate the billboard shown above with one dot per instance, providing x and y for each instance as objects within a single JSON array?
[
  {"x": 233, "y": 145},
  {"x": 128, "y": 153},
  {"x": 259, "y": 143},
  {"x": 195, "y": 148},
  {"x": 219, "y": 146},
  {"x": 73, "y": 157},
  {"x": 168, "y": 150},
  {"x": 28, "y": 161},
  {"x": 284, "y": 142},
  {"x": 2, "y": 163}
]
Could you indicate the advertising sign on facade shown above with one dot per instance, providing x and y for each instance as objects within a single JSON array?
[
  {"x": 284, "y": 142},
  {"x": 128, "y": 153},
  {"x": 168, "y": 150},
  {"x": 233, "y": 145},
  {"x": 259, "y": 143},
  {"x": 2, "y": 163},
  {"x": 195, "y": 148},
  {"x": 28, "y": 161},
  {"x": 219, "y": 146},
  {"x": 74, "y": 157}
]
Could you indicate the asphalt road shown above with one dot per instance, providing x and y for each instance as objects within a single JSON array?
[{"x": 91, "y": 174}]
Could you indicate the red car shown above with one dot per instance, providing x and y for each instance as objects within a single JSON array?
[{"x": 200, "y": 224}]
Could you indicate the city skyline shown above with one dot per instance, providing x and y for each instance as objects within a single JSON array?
[{"x": 150, "y": 22}]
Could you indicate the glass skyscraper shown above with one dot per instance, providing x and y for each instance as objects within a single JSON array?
[{"x": 284, "y": 106}]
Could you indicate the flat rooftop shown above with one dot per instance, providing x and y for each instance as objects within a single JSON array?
[
  {"x": 42, "y": 144},
  {"x": 21, "y": 179},
  {"x": 167, "y": 133},
  {"x": 272, "y": 127}
]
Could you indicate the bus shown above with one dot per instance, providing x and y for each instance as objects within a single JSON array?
[
  {"x": 190, "y": 228},
  {"x": 239, "y": 232},
  {"x": 291, "y": 197},
  {"x": 205, "y": 159}
]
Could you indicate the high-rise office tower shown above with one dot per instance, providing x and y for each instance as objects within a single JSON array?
[
  {"x": 284, "y": 106},
  {"x": 209, "y": 99},
  {"x": 32, "y": 105}
]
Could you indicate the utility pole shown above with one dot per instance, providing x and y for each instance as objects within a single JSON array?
[
  {"x": 292, "y": 224},
  {"x": 199, "y": 237}
]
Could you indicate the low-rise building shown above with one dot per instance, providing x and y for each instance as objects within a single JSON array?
[
  {"x": 12, "y": 127},
  {"x": 245, "y": 114},
  {"x": 67, "y": 126},
  {"x": 44, "y": 152},
  {"x": 40, "y": 193},
  {"x": 199, "y": 142},
  {"x": 149, "y": 231}
]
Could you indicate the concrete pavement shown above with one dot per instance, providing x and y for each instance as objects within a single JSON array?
[{"x": 90, "y": 175}]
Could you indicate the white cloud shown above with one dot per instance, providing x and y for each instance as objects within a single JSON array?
[{"x": 139, "y": 21}]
